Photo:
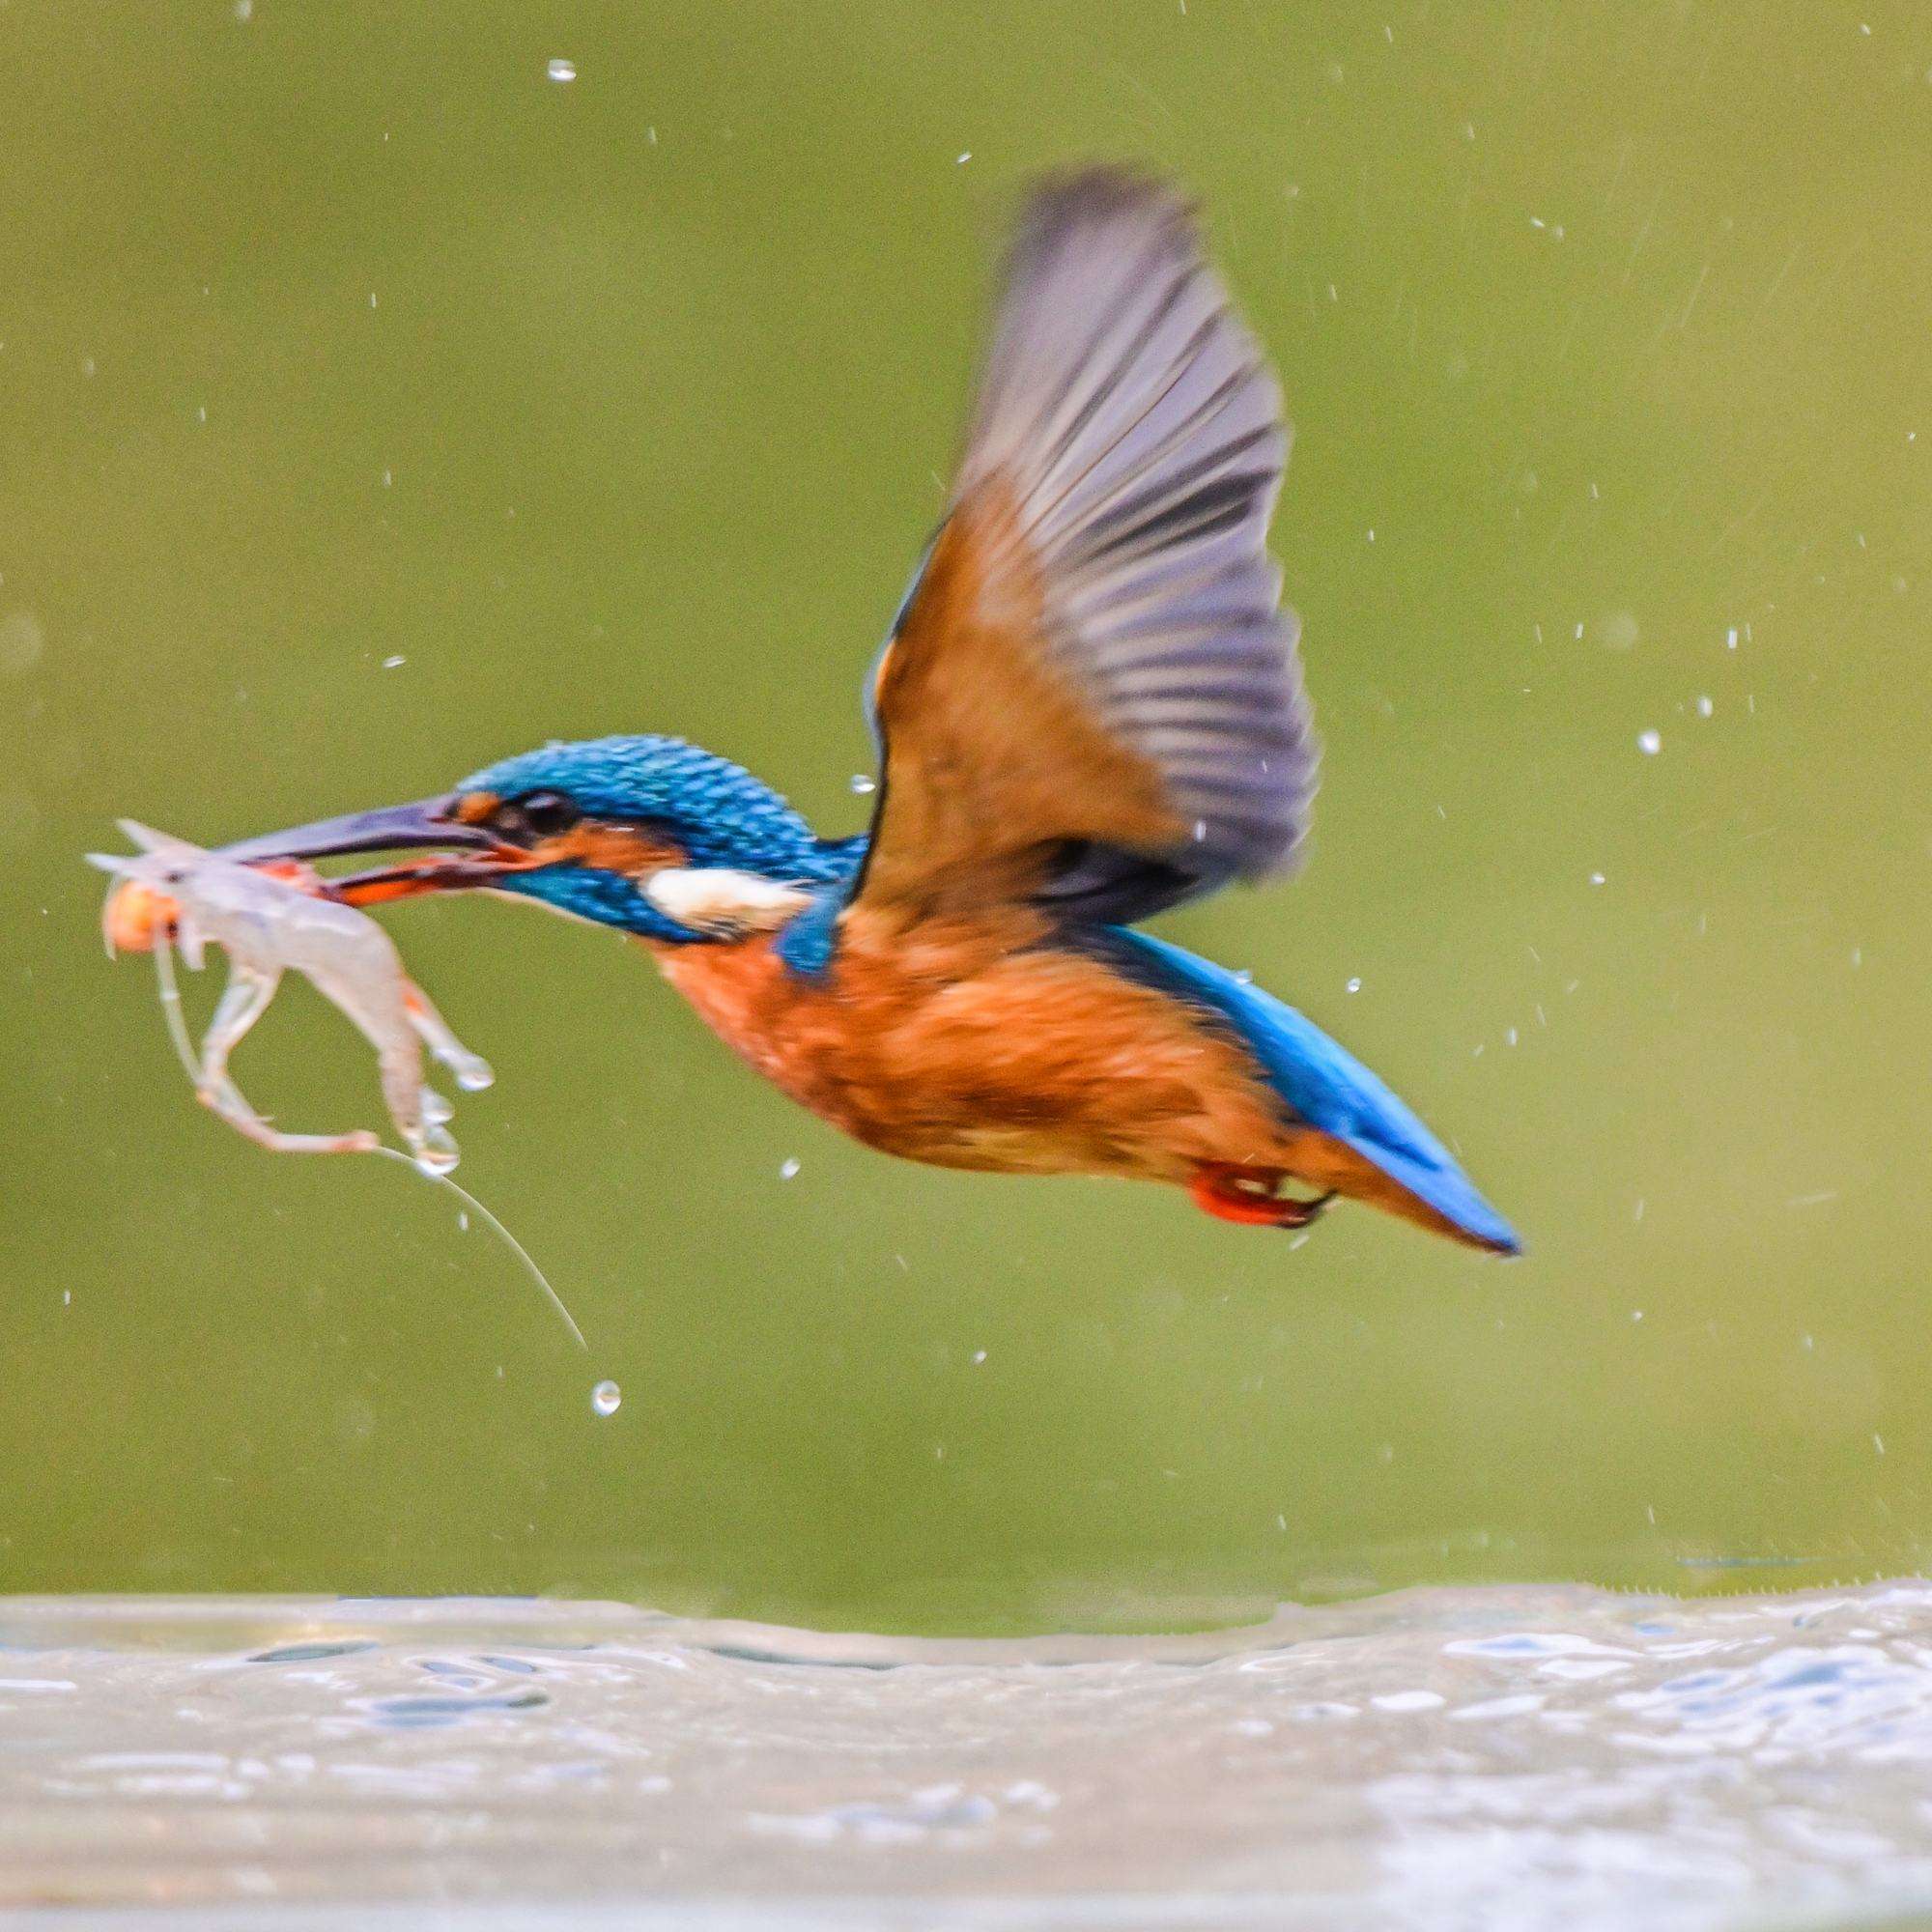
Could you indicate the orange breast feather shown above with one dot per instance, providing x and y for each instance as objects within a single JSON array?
[{"x": 965, "y": 1047}]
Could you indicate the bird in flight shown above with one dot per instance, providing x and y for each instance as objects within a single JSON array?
[{"x": 1090, "y": 709}]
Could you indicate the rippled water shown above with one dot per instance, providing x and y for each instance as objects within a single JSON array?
[{"x": 1496, "y": 1757}]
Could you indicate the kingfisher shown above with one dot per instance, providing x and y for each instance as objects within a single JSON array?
[{"x": 1089, "y": 709}]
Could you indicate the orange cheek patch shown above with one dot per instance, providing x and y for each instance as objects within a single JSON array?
[{"x": 611, "y": 848}]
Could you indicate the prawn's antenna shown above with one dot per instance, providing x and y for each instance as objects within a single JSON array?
[
  {"x": 171, "y": 1006},
  {"x": 502, "y": 1234}
]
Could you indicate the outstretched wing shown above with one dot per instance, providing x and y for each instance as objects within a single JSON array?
[{"x": 1091, "y": 698}]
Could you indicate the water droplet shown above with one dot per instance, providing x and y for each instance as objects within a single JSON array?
[
  {"x": 605, "y": 1397},
  {"x": 1650, "y": 743},
  {"x": 964, "y": 158},
  {"x": 1705, "y": 707},
  {"x": 788, "y": 1168},
  {"x": 1596, "y": 878},
  {"x": 561, "y": 70},
  {"x": 861, "y": 785},
  {"x": 462, "y": 1223},
  {"x": 1354, "y": 985},
  {"x": 394, "y": 664},
  {"x": 979, "y": 1354}
]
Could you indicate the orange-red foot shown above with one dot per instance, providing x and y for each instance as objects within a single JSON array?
[{"x": 1246, "y": 1195}]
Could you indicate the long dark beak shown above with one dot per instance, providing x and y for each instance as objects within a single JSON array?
[{"x": 429, "y": 822}]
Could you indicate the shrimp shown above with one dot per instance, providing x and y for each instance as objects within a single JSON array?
[
  {"x": 277, "y": 918},
  {"x": 273, "y": 921}
]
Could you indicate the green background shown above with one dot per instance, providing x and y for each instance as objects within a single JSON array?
[{"x": 334, "y": 334}]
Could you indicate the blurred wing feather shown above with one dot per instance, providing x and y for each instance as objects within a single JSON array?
[{"x": 1091, "y": 698}]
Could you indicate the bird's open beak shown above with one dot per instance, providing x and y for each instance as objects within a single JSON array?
[{"x": 461, "y": 855}]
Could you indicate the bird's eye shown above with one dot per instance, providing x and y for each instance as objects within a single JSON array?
[
  {"x": 539, "y": 815},
  {"x": 549, "y": 813}
]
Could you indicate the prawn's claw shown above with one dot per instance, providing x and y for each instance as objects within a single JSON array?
[{"x": 244, "y": 1120}]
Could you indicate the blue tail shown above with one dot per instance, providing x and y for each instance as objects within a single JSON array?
[{"x": 1323, "y": 1085}]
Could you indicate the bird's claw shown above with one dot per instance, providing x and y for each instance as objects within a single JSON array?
[{"x": 1292, "y": 1214}]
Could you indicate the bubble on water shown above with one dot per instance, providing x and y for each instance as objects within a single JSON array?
[
  {"x": 1705, "y": 707},
  {"x": 562, "y": 70},
  {"x": 1354, "y": 985},
  {"x": 605, "y": 1397},
  {"x": 788, "y": 1168},
  {"x": 394, "y": 662},
  {"x": 1731, "y": 638},
  {"x": 1650, "y": 743},
  {"x": 861, "y": 785}
]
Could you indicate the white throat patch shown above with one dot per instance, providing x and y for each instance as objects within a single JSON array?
[{"x": 717, "y": 899}]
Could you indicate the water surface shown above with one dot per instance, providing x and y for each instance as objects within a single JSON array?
[{"x": 1495, "y": 1758}]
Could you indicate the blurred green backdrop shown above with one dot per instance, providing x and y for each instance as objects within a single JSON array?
[{"x": 374, "y": 404}]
